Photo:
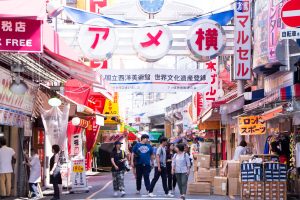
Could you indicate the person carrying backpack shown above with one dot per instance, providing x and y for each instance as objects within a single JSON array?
[
  {"x": 181, "y": 168},
  {"x": 160, "y": 168},
  {"x": 118, "y": 159}
]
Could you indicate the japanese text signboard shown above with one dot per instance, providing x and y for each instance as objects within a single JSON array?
[
  {"x": 152, "y": 42},
  {"x": 211, "y": 95},
  {"x": 78, "y": 174},
  {"x": 242, "y": 40},
  {"x": 252, "y": 125},
  {"x": 158, "y": 80},
  {"x": 97, "y": 39},
  {"x": 21, "y": 35},
  {"x": 206, "y": 40}
]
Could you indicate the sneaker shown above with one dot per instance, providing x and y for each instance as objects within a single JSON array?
[
  {"x": 116, "y": 194},
  {"x": 169, "y": 195},
  {"x": 151, "y": 195},
  {"x": 123, "y": 193},
  {"x": 138, "y": 192}
]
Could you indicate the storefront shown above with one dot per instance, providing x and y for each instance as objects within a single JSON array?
[{"x": 15, "y": 125}]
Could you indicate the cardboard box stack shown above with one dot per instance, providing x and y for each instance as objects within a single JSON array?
[
  {"x": 251, "y": 172},
  {"x": 233, "y": 174},
  {"x": 275, "y": 190},
  {"x": 275, "y": 172},
  {"x": 220, "y": 185},
  {"x": 253, "y": 190},
  {"x": 202, "y": 176}
]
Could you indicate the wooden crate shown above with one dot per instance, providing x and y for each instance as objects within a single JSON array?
[{"x": 252, "y": 190}]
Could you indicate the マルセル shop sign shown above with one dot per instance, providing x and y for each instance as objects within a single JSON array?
[{"x": 20, "y": 35}]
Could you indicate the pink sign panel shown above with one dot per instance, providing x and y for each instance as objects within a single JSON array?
[{"x": 20, "y": 35}]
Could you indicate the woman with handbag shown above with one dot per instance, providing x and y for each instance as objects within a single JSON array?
[
  {"x": 55, "y": 176},
  {"x": 118, "y": 160}
]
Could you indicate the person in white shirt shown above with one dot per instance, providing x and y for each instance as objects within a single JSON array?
[
  {"x": 240, "y": 150},
  {"x": 7, "y": 157},
  {"x": 35, "y": 173}
]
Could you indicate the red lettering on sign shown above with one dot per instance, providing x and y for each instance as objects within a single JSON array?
[
  {"x": 104, "y": 37},
  {"x": 152, "y": 39}
]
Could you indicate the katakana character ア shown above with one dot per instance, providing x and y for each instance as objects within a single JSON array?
[
  {"x": 212, "y": 92},
  {"x": 211, "y": 39},
  {"x": 242, "y": 69},
  {"x": 213, "y": 78},
  {"x": 243, "y": 22},
  {"x": 152, "y": 39},
  {"x": 243, "y": 53},
  {"x": 7, "y": 26},
  {"x": 211, "y": 66},
  {"x": 200, "y": 38},
  {"x": 239, "y": 6},
  {"x": 98, "y": 30},
  {"x": 241, "y": 37},
  {"x": 20, "y": 27}
]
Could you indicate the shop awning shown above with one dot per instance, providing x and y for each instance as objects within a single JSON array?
[
  {"x": 272, "y": 113},
  {"x": 154, "y": 136},
  {"x": 211, "y": 115},
  {"x": 64, "y": 57},
  {"x": 130, "y": 129},
  {"x": 33, "y": 9},
  {"x": 131, "y": 136},
  {"x": 282, "y": 94},
  {"x": 233, "y": 105}
]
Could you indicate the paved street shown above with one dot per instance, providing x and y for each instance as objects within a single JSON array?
[{"x": 101, "y": 189}]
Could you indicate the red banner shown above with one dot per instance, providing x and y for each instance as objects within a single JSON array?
[
  {"x": 91, "y": 138},
  {"x": 21, "y": 35}
]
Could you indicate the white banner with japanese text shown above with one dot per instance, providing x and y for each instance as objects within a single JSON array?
[
  {"x": 158, "y": 80},
  {"x": 242, "y": 40},
  {"x": 78, "y": 173}
]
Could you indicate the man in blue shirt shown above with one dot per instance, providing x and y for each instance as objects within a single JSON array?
[{"x": 144, "y": 154}]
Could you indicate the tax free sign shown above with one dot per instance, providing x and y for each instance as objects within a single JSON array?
[{"x": 20, "y": 35}]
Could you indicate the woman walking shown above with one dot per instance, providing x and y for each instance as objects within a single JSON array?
[
  {"x": 181, "y": 168},
  {"x": 118, "y": 158},
  {"x": 171, "y": 177},
  {"x": 55, "y": 176}
]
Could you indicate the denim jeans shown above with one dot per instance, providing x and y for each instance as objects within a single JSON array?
[
  {"x": 143, "y": 171},
  {"x": 33, "y": 189},
  {"x": 157, "y": 174}
]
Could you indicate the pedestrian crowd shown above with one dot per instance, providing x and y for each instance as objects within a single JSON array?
[{"x": 170, "y": 163}]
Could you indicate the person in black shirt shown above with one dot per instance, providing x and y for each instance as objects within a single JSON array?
[
  {"x": 118, "y": 158},
  {"x": 171, "y": 177}
]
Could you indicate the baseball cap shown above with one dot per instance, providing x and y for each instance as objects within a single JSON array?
[{"x": 118, "y": 142}]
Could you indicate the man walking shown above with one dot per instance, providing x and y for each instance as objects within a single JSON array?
[
  {"x": 160, "y": 168},
  {"x": 143, "y": 153},
  {"x": 7, "y": 156}
]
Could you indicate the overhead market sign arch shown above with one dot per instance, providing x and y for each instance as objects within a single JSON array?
[{"x": 205, "y": 40}]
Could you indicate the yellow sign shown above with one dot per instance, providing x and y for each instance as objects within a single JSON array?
[
  {"x": 111, "y": 107},
  {"x": 252, "y": 125},
  {"x": 78, "y": 168}
]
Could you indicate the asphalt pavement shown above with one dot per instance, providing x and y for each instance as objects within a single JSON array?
[{"x": 101, "y": 189}]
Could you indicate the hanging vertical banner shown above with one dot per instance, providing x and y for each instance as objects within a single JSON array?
[
  {"x": 275, "y": 26},
  {"x": 211, "y": 95},
  {"x": 197, "y": 105},
  {"x": 242, "y": 40},
  {"x": 91, "y": 138},
  {"x": 55, "y": 123}
]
